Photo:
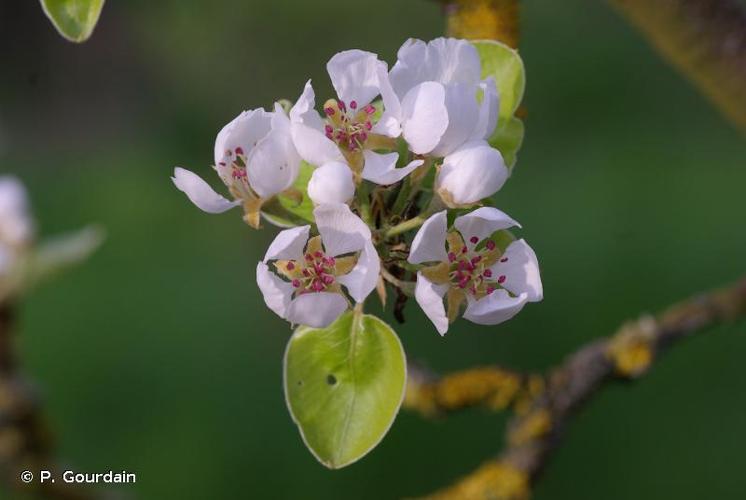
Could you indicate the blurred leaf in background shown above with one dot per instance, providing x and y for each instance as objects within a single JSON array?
[{"x": 74, "y": 19}]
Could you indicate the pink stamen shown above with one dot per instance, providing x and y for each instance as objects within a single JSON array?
[
  {"x": 487, "y": 273},
  {"x": 239, "y": 151},
  {"x": 296, "y": 283},
  {"x": 490, "y": 289},
  {"x": 290, "y": 266},
  {"x": 370, "y": 109},
  {"x": 490, "y": 245},
  {"x": 501, "y": 279},
  {"x": 451, "y": 257},
  {"x": 474, "y": 240},
  {"x": 353, "y": 104},
  {"x": 329, "y": 111},
  {"x": 504, "y": 259},
  {"x": 328, "y": 279}
]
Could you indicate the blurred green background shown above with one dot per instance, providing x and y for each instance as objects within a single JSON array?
[{"x": 160, "y": 357}]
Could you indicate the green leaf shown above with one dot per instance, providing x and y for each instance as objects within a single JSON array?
[
  {"x": 508, "y": 138},
  {"x": 506, "y": 67},
  {"x": 74, "y": 19},
  {"x": 344, "y": 385},
  {"x": 302, "y": 210}
]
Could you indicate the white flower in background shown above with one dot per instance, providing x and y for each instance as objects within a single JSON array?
[
  {"x": 348, "y": 133},
  {"x": 16, "y": 225},
  {"x": 304, "y": 280},
  {"x": 256, "y": 160},
  {"x": 495, "y": 286}
]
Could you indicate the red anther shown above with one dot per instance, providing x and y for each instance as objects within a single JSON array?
[
  {"x": 329, "y": 111},
  {"x": 317, "y": 285},
  {"x": 318, "y": 254},
  {"x": 451, "y": 257},
  {"x": 462, "y": 265},
  {"x": 463, "y": 283},
  {"x": 362, "y": 136},
  {"x": 353, "y": 104},
  {"x": 328, "y": 279},
  {"x": 504, "y": 259},
  {"x": 368, "y": 125},
  {"x": 490, "y": 289},
  {"x": 370, "y": 109},
  {"x": 290, "y": 266},
  {"x": 222, "y": 164},
  {"x": 341, "y": 105},
  {"x": 306, "y": 273},
  {"x": 490, "y": 245},
  {"x": 330, "y": 261},
  {"x": 329, "y": 129},
  {"x": 487, "y": 273},
  {"x": 464, "y": 250},
  {"x": 475, "y": 260},
  {"x": 296, "y": 283},
  {"x": 474, "y": 240},
  {"x": 239, "y": 150},
  {"x": 309, "y": 257},
  {"x": 501, "y": 279}
]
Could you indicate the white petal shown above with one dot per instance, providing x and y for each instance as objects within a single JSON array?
[
  {"x": 430, "y": 298},
  {"x": 331, "y": 183},
  {"x": 494, "y": 308},
  {"x": 481, "y": 223},
  {"x": 200, "y": 193},
  {"x": 364, "y": 276},
  {"x": 473, "y": 172},
  {"x": 521, "y": 271},
  {"x": 273, "y": 165},
  {"x": 424, "y": 116},
  {"x": 429, "y": 244},
  {"x": 243, "y": 132},
  {"x": 390, "y": 122},
  {"x": 454, "y": 60},
  {"x": 444, "y": 60},
  {"x": 488, "y": 110},
  {"x": 463, "y": 115},
  {"x": 16, "y": 225},
  {"x": 313, "y": 146},
  {"x": 307, "y": 130},
  {"x": 410, "y": 68},
  {"x": 277, "y": 292},
  {"x": 317, "y": 310},
  {"x": 381, "y": 168},
  {"x": 354, "y": 75},
  {"x": 341, "y": 231},
  {"x": 288, "y": 244}
]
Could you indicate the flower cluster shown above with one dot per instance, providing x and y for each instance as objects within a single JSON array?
[{"x": 392, "y": 151}]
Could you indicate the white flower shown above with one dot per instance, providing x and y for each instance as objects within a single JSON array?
[
  {"x": 471, "y": 173},
  {"x": 16, "y": 231},
  {"x": 310, "y": 275},
  {"x": 348, "y": 133},
  {"x": 256, "y": 160},
  {"x": 331, "y": 183},
  {"x": 494, "y": 285},
  {"x": 432, "y": 96}
]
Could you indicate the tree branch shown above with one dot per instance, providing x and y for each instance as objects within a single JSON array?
[
  {"x": 539, "y": 421},
  {"x": 704, "y": 39},
  {"x": 25, "y": 440}
]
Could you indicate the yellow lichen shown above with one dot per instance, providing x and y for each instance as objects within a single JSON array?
[
  {"x": 531, "y": 427},
  {"x": 484, "y": 20},
  {"x": 493, "y": 480}
]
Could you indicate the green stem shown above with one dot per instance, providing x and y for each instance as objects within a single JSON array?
[
  {"x": 363, "y": 201},
  {"x": 405, "y": 226}
]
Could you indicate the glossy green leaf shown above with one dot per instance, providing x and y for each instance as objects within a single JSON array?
[
  {"x": 74, "y": 19},
  {"x": 344, "y": 385},
  {"x": 507, "y": 139},
  {"x": 505, "y": 65}
]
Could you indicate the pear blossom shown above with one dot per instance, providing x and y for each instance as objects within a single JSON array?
[
  {"x": 494, "y": 285},
  {"x": 256, "y": 160},
  {"x": 16, "y": 231},
  {"x": 349, "y": 132},
  {"x": 304, "y": 279},
  {"x": 432, "y": 97}
]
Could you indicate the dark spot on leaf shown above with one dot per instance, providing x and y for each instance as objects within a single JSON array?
[
  {"x": 331, "y": 379},
  {"x": 300, "y": 382}
]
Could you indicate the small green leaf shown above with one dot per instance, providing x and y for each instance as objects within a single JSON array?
[
  {"x": 506, "y": 67},
  {"x": 508, "y": 138},
  {"x": 344, "y": 385},
  {"x": 304, "y": 209},
  {"x": 74, "y": 19}
]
